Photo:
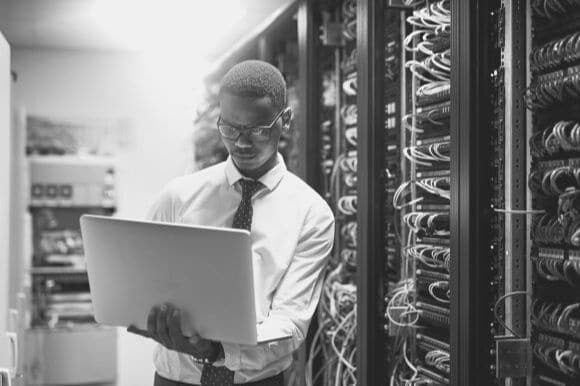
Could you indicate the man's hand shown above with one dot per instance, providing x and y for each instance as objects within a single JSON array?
[{"x": 164, "y": 326}]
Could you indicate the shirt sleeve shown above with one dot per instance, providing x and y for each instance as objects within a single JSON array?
[{"x": 295, "y": 300}]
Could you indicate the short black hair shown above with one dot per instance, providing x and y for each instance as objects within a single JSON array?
[{"x": 256, "y": 78}]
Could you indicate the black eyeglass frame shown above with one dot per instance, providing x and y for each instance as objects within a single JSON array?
[{"x": 255, "y": 132}]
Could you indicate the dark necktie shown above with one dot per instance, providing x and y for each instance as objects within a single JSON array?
[{"x": 222, "y": 376}]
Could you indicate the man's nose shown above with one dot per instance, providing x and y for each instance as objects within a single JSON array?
[{"x": 243, "y": 140}]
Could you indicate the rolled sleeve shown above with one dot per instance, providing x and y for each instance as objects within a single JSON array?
[
  {"x": 232, "y": 356},
  {"x": 295, "y": 299}
]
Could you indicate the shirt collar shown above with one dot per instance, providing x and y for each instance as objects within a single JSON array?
[{"x": 270, "y": 180}]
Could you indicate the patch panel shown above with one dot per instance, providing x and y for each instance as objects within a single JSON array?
[
  {"x": 431, "y": 276},
  {"x": 558, "y": 87},
  {"x": 435, "y": 94},
  {"x": 433, "y": 318},
  {"x": 433, "y": 173},
  {"x": 432, "y": 376},
  {"x": 554, "y": 183},
  {"x": 434, "y": 113},
  {"x": 557, "y": 317},
  {"x": 433, "y": 342},
  {"x": 543, "y": 380},
  {"x": 561, "y": 52}
]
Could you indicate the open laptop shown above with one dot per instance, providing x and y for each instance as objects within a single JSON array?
[{"x": 205, "y": 271}]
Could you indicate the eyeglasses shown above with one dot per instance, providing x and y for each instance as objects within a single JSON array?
[{"x": 259, "y": 132}]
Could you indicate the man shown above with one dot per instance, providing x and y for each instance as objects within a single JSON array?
[{"x": 292, "y": 231}]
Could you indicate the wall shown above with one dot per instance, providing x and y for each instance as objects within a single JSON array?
[{"x": 157, "y": 105}]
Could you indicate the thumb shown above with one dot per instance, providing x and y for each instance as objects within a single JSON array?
[{"x": 194, "y": 339}]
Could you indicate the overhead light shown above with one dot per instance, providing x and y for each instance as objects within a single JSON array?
[
  {"x": 184, "y": 24},
  {"x": 174, "y": 37}
]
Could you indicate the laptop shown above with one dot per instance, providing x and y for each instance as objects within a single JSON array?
[{"x": 205, "y": 271}]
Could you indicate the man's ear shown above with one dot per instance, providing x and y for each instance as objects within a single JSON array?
[{"x": 286, "y": 119}]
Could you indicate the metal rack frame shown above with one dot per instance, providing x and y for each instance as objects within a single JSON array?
[{"x": 469, "y": 116}]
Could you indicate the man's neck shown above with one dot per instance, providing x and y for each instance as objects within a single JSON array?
[{"x": 259, "y": 172}]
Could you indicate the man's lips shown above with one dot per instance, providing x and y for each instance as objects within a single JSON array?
[{"x": 244, "y": 155}]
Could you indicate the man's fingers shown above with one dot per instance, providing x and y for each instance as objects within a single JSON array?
[
  {"x": 174, "y": 327},
  {"x": 152, "y": 321},
  {"x": 134, "y": 330},
  {"x": 195, "y": 339},
  {"x": 162, "y": 330}
]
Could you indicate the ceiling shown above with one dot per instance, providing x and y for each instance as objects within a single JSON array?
[{"x": 70, "y": 24}]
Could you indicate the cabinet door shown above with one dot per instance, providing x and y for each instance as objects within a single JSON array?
[{"x": 5, "y": 349}]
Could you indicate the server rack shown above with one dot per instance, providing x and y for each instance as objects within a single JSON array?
[
  {"x": 56, "y": 185},
  {"x": 554, "y": 186},
  {"x": 468, "y": 221}
]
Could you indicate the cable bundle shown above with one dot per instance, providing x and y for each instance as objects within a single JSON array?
[
  {"x": 563, "y": 228},
  {"x": 569, "y": 205},
  {"x": 439, "y": 290},
  {"x": 558, "y": 269},
  {"x": 346, "y": 164},
  {"x": 350, "y": 180},
  {"x": 429, "y": 117},
  {"x": 430, "y": 223},
  {"x": 439, "y": 359},
  {"x": 433, "y": 24},
  {"x": 351, "y": 136},
  {"x": 348, "y": 232},
  {"x": 347, "y": 205},
  {"x": 425, "y": 155},
  {"x": 349, "y": 19},
  {"x": 348, "y": 167},
  {"x": 558, "y": 317},
  {"x": 439, "y": 186},
  {"x": 563, "y": 136},
  {"x": 553, "y": 9},
  {"x": 436, "y": 67},
  {"x": 558, "y": 359},
  {"x": 433, "y": 256},
  {"x": 556, "y": 53},
  {"x": 349, "y": 62},
  {"x": 350, "y": 85},
  {"x": 348, "y": 258},
  {"x": 433, "y": 92},
  {"x": 548, "y": 229},
  {"x": 554, "y": 182},
  {"x": 400, "y": 311},
  {"x": 349, "y": 114},
  {"x": 556, "y": 87},
  {"x": 406, "y": 374},
  {"x": 335, "y": 338}
]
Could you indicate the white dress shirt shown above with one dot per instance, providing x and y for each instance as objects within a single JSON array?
[{"x": 292, "y": 235}]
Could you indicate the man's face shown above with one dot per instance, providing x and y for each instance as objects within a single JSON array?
[{"x": 249, "y": 153}]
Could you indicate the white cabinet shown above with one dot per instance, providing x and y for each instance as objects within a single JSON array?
[{"x": 8, "y": 342}]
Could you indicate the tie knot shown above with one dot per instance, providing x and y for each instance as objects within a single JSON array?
[{"x": 249, "y": 187}]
